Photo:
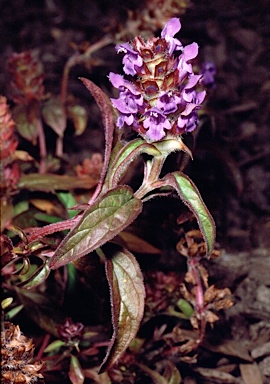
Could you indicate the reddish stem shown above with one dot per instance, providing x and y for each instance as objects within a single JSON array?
[
  {"x": 43, "y": 346},
  {"x": 38, "y": 233}
]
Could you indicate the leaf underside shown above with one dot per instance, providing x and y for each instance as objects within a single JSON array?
[
  {"x": 127, "y": 294},
  {"x": 108, "y": 122}
]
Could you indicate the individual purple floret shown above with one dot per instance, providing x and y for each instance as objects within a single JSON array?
[
  {"x": 171, "y": 28},
  {"x": 189, "y": 53},
  {"x": 132, "y": 60},
  {"x": 188, "y": 119},
  {"x": 130, "y": 100},
  {"x": 168, "y": 102},
  {"x": 155, "y": 123}
]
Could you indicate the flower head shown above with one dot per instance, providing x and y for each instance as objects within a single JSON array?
[{"x": 162, "y": 95}]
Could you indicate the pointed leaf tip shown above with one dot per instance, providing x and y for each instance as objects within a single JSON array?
[{"x": 190, "y": 196}]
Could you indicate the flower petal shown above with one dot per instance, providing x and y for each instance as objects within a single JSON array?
[
  {"x": 191, "y": 51},
  {"x": 171, "y": 28}
]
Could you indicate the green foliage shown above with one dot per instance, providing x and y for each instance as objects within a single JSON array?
[{"x": 101, "y": 222}]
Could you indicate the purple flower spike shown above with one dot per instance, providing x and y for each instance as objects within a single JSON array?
[
  {"x": 132, "y": 60},
  {"x": 155, "y": 123},
  {"x": 161, "y": 99},
  {"x": 171, "y": 28},
  {"x": 168, "y": 102}
]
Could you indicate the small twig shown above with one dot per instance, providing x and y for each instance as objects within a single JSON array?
[
  {"x": 79, "y": 59},
  {"x": 43, "y": 347},
  {"x": 59, "y": 147}
]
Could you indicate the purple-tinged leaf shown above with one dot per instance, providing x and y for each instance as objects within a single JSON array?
[
  {"x": 108, "y": 122},
  {"x": 7, "y": 253},
  {"x": 127, "y": 299},
  {"x": 125, "y": 157},
  {"x": 55, "y": 345},
  {"x": 75, "y": 373},
  {"x": 101, "y": 222},
  {"x": 54, "y": 115},
  {"x": 190, "y": 196}
]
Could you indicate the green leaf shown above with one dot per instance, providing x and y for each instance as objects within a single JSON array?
[
  {"x": 127, "y": 299},
  {"x": 52, "y": 182},
  {"x": 55, "y": 345},
  {"x": 37, "y": 277},
  {"x": 101, "y": 222},
  {"x": 125, "y": 157},
  {"x": 185, "y": 307},
  {"x": 27, "y": 121},
  {"x": 54, "y": 115},
  {"x": 75, "y": 373},
  {"x": 69, "y": 201},
  {"x": 46, "y": 218},
  {"x": 190, "y": 196},
  {"x": 78, "y": 115},
  {"x": 13, "y": 312}
]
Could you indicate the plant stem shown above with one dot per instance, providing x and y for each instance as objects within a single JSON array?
[
  {"x": 81, "y": 59},
  {"x": 152, "y": 171},
  {"x": 51, "y": 228},
  {"x": 42, "y": 147}
]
